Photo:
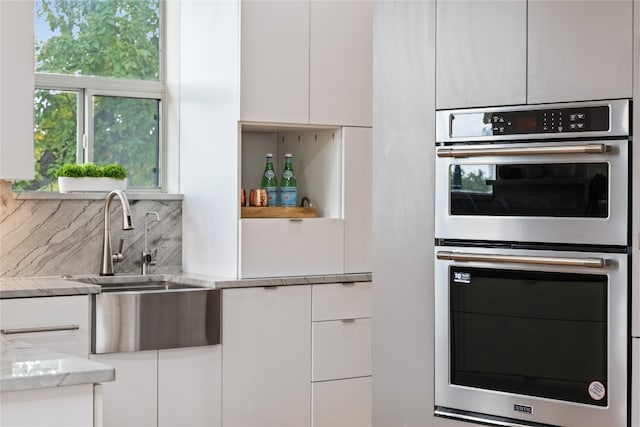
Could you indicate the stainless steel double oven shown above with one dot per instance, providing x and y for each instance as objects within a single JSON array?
[{"x": 532, "y": 264}]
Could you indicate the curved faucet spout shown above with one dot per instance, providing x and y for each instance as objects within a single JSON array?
[{"x": 106, "y": 268}]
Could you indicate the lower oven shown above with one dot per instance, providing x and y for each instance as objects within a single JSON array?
[{"x": 531, "y": 337}]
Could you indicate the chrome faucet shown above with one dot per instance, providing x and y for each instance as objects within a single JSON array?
[
  {"x": 147, "y": 258},
  {"x": 106, "y": 269}
]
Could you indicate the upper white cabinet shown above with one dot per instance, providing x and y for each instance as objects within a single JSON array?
[
  {"x": 481, "y": 54},
  {"x": 274, "y": 68},
  {"x": 532, "y": 51},
  {"x": 16, "y": 90},
  {"x": 306, "y": 62},
  {"x": 579, "y": 50}
]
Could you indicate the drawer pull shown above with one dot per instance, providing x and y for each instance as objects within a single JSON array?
[
  {"x": 39, "y": 329},
  {"x": 348, "y": 320}
]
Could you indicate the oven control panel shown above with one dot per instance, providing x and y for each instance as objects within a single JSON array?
[
  {"x": 585, "y": 119},
  {"x": 539, "y": 120}
]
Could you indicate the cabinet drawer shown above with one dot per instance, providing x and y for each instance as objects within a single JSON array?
[
  {"x": 341, "y": 349},
  {"x": 336, "y": 301},
  {"x": 284, "y": 247},
  {"x": 64, "y": 322},
  {"x": 342, "y": 403}
]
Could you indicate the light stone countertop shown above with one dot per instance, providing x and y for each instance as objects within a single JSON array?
[
  {"x": 24, "y": 367},
  {"x": 27, "y": 287}
]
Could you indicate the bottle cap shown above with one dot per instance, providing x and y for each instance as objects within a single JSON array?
[
  {"x": 288, "y": 155},
  {"x": 269, "y": 154}
]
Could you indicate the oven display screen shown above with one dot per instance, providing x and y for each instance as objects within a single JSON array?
[{"x": 526, "y": 123}]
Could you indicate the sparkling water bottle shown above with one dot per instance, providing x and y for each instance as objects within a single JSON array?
[
  {"x": 270, "y": 182},
  {"x": 288, "y": 186}
]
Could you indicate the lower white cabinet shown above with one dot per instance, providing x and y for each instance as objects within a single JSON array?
[
  {"x": 69, "y": 406},
  {"x": 266, "y": 356},
  {"x": 177, "y": 387},
  {"x": 297, "y": 355},
  {"x": 58, "y": 323},
  {"x": 344, "y": 403}
]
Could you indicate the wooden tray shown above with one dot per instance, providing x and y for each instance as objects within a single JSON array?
[{"x": 277, "y": 212}]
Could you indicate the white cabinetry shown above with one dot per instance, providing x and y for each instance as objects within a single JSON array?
[
  {"x": 70, "y": 406},
  {"x": 174, "y": 387},
  {"x": 266, "y": 354},
  {"x": 16, "y": 89},
  {"x": 58, "y": 323},
  {"x": 333, "y": 169},
  {"x": 306, "y": 62},
  {"x": 481, "y": 55},
  {"x": 532, "y": 51},
  {"x": 579, "y": 50},
  {"x": 284, "y": 366},
  {"x": 341, "y": 356}
]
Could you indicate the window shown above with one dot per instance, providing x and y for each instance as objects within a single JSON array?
[{"x": 99, "y": 88}]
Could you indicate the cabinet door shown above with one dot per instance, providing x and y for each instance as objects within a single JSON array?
[
  {"x": 579, "y": 50},
  {"x": 481, "y": 53},
  {"x": 341, "y": 349},
  {"x": 131, "y": 400},
  {"x": 266, "y": 356},
  {"x": 16, "y": 90},
  {"x": 70, "y": 406},
  {"x": 341, "y": 70},
  {"x": 344, "y": 403},
  {"x": 66, "y": 319},
  {"x": 189, "y": 386},
  {"x": 274, "y": 41},
  {"x": 304, "y": 247},
  {"x": 357, "y": 199}
]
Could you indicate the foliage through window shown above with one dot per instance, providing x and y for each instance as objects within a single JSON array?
[{"x": 99, "y": 88}]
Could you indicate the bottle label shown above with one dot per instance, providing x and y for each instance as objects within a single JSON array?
[
  {"x": 269, "y": 174},
  {"x": 288, "y": 196},
  {"x": 272, "y": 196},
  {"x": 286, "y": 174}
]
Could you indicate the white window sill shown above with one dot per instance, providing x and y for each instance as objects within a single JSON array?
[{"x": 46, "y": 195}]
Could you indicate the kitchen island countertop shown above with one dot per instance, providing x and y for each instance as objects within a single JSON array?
[{"x": 25, "y": 367}]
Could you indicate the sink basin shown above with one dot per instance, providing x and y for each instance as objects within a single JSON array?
[
  {"x": 148, "y": 286},
  {"x": 135, "y": 313}
]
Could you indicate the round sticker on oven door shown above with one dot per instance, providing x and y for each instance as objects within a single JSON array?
[{"x": 596, "y": 390}]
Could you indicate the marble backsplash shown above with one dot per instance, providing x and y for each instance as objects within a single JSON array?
[{"x": 63, "y": 236}]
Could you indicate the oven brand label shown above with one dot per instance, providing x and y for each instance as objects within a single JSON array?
[
  {"x": 596, "y": 390},
  {"x": 523, "y": 408},
  {"x": 460, "y": 277}
]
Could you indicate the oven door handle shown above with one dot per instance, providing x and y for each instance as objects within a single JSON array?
[
  {"x": 522, "y": 259},
  {"x": 522, "y": 151}
]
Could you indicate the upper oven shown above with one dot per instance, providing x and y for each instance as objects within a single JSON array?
[{"x": 552, "y": 173}]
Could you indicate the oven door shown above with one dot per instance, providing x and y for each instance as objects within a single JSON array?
[
  {"x": 483, "y": 192},
  {"x": 536, "y": 336}
]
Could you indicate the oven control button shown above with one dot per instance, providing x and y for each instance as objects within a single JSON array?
[
  {"x": 560, "y": 128},
  {"x": 572, "y": 126}
]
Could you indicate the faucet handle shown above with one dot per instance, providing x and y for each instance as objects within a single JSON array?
[{"x": 117, "y": 257}]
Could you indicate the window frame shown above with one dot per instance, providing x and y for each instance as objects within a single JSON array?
[{"x": 89, "y": 86}]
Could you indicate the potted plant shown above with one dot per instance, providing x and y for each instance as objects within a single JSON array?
[{"x": 90, "y": 177}]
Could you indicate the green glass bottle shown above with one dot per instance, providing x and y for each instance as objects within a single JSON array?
[
  {"x": 288, "y": 185},
  {"x": 270, "y": 182}
]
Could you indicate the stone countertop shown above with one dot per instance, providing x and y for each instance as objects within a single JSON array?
[
  {"x": 28, "y": 287},
  {"x": 24, "y": 367}
]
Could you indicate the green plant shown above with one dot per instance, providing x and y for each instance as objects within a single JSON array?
[
  {"x": 70, "y": 170},
  {"x": 73, "y": 170},
  {"x": 114, "y": 171}
]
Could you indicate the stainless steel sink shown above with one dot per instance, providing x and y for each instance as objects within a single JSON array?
[{"x": 148, "y": 313}]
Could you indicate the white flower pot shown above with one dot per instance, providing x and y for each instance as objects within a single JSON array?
[{"x": 90, "y": 184}]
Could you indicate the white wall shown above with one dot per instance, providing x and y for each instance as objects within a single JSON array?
[
  {"x": 209, "y": 112},
  {"x": 403, "y": 234}
]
